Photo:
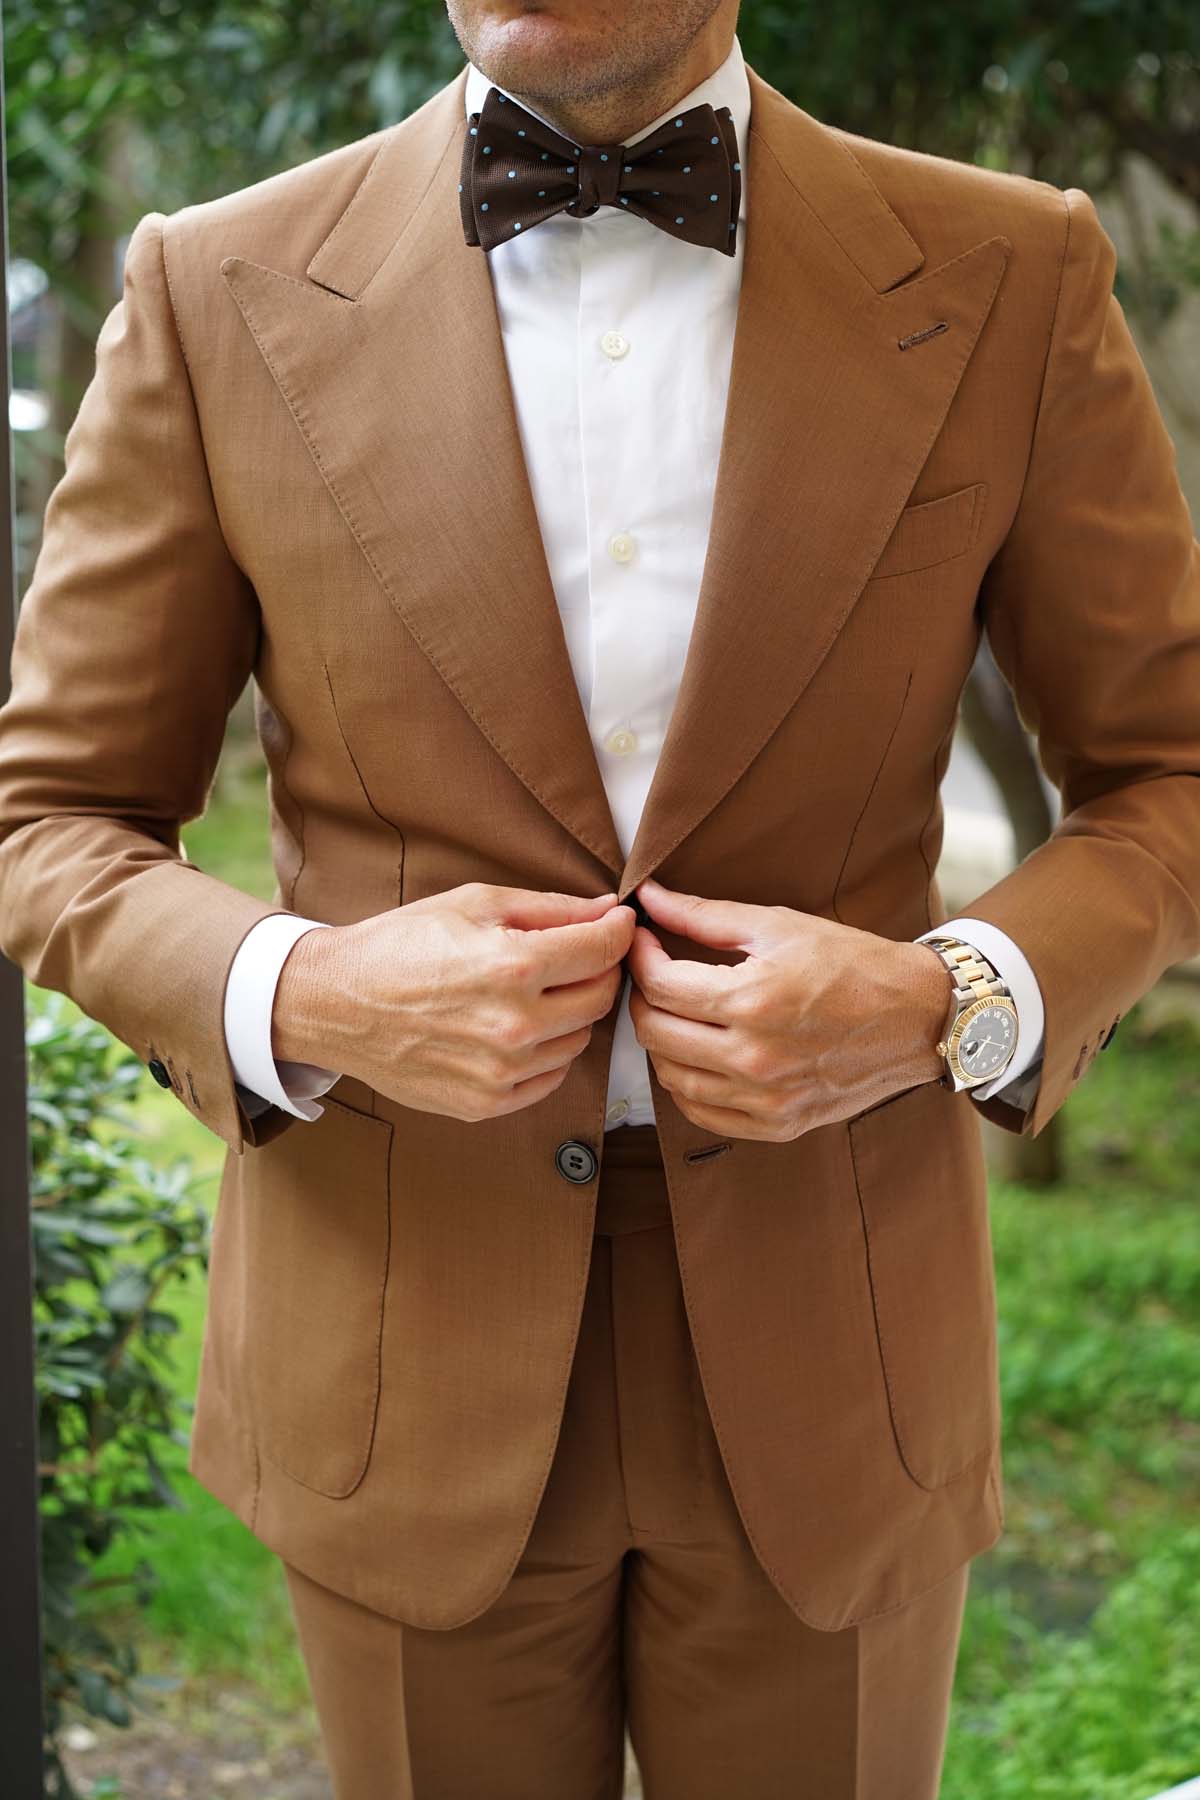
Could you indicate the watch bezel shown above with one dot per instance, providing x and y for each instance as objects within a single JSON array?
[{"x": 962, "y": 1021}]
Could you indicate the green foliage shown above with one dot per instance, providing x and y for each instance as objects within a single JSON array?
[
  {"x": 1080, "y": 1657},
  {"x": 1110, "y": 1715},
  {"x": 212, "y": 94},
  {"x": 231, "y": 90},
  {"x": 111, "y": 1231},
  {"x": 1065, "y": 88}
]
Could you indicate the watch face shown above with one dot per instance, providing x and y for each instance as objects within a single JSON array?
[{"x": 989, "y": 1036}]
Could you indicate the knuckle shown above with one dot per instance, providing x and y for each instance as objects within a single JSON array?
[
  {"x": 509, "y": 1031},
  {"x": 493, "y": 1072},
  {"x": 649, "y": 992},
  {"x": 754, "y": 1061},
  {"x": 520, "y": 962}
]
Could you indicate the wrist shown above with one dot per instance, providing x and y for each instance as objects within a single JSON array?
[
  {"x": 928, "y": 993},
  {"x": 300, "y": 1012}
]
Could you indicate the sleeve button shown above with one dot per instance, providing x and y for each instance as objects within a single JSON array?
[{"x": 159, "y": 1072}]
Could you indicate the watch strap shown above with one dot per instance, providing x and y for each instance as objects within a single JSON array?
[{"x": 972, "y": 978}]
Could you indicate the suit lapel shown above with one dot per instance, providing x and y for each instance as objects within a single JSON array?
[
  {"x": 827, "y": 425},
  {"x": 392, "y": 361}
]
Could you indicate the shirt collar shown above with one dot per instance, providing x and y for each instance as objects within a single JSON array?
[{"x": 726, "y": 86}]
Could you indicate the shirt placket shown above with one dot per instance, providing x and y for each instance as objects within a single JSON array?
[{"x": 625, "y": 702}]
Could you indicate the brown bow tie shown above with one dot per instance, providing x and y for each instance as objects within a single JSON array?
[{"x": 517, "y": 171}]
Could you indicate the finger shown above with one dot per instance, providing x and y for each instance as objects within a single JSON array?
[
  {"x": 569, "y": 953},
  {"x": 725, "y": 924},
  {"x": 562, "y": 1009},
  {"x": 531, "y": 910},
  {"x": 553, "y": 1052},
  {"x": 701, "y": 1087},
  {"x": 691, "y": 990},
  {"x": 725, "y": 1121},
  {"x": 693, "y": 1042},
  {"x": 527, "y": 1093}
]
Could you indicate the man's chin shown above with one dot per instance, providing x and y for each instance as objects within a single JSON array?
[{"x": 531, "y": 53}]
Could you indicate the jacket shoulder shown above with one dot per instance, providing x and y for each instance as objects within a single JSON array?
[
  {"x": 283, "y": 219},
  {"x": 948, "y": 205}
]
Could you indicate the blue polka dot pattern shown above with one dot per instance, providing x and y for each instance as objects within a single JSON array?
[{"x": 698, "y": 146}]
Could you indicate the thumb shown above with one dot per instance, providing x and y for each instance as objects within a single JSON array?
[{"x": 725, "y": 924}]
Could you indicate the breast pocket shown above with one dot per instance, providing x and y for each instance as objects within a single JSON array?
[
  {"x": 922, "y": 1191},
  {"x": 932, "y": 532},
  {"x": 315, "y": 1230}
]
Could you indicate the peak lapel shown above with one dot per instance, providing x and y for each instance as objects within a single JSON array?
[
  {"x": 827, "y": 426},
  {"x": 392, "y": 362}
]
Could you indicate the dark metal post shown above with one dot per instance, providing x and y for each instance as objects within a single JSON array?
[{"x": 20, "y": 1620}]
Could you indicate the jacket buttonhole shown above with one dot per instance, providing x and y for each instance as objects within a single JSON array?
[{"x": 706, "y": 1152}]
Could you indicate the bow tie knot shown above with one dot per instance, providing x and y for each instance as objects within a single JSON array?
[
  {"x": 684, "y": 177},
  {"x": 599, "y": 177}
]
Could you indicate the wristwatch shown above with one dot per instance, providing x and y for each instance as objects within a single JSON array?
[{"x": 980, "y": 1034}]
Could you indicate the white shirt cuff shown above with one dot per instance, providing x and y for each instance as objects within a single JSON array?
[
  {"x": 1023, "y": 1073},
  {"x": 249, "y": 1004}
]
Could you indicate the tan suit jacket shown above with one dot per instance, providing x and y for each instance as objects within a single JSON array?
[{"x": 299, "y": 459}]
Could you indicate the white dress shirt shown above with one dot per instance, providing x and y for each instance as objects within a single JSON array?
[{"x": 620, "y": 400}]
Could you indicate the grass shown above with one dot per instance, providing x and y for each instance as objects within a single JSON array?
[{"x": 1080, "y": 1654}]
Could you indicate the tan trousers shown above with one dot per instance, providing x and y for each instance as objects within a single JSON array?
[{"x": 637, "y": 1603}]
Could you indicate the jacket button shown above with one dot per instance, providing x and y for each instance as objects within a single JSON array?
[
  {"x": 1107, "y": 1039},
  {"x": 575, "y": 1161},
  {"x": 159, "y": 1072}
]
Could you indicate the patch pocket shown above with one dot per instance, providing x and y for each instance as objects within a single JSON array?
[
  {"x": 922, "y": 1191},
  {"x": 933, "y": 531},
  {"x": 316, "y": 1219}
]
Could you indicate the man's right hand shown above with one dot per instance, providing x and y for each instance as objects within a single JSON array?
[{"x": 470, "y": 1003}]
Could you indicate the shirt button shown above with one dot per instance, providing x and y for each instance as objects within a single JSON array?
[
  {"x": 621, "y": 546},
  {"x": 621, "y": 742},
  {"x": 617, "y": 1111},
  {"x": 613, "y": 344}
]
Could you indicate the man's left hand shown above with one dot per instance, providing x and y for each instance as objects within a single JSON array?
[{"x": 820, "y": 1020}]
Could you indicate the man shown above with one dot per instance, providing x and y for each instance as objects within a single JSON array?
[{"x": 599, "y": 1353}]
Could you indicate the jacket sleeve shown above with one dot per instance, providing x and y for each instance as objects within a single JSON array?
[
  {"x": 134, "y": 639},
  {"x": 1092, "y": 608}
]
